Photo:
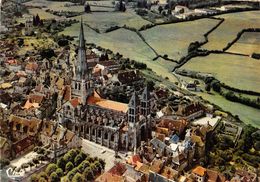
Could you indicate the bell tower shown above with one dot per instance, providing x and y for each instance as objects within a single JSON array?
[{"x": 81, "y": 82}]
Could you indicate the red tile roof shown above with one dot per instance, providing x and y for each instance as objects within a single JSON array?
[
  {"x": 118, "y": 169},
  {"x": 199, "y": 170},
  {"x": 75, "y": 102}
]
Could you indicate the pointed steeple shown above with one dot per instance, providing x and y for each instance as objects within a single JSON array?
[
  {"x": 81, "y": 36},
  {"x": 133, "y": 101},
  {"x": 145, "y": 95}
]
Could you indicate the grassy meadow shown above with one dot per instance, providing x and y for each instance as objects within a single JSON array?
[
  {"x": 228, "y": 30},
  {"x": 248, "y": 43},
  {"x": 236, "y": 71},
  {"x": 174, "y": 39}
]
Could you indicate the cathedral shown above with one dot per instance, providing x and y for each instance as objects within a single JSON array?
[{"x": 116, "y": 125}]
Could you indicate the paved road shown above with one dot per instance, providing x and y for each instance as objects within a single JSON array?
[{"x": 95, "y": 150}]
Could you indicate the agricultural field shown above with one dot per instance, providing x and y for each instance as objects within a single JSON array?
[
  {"x": 174, "y": 39},
  {"x": 104, "y": 20},
  {"x": 248, "y": 43},
  {"x": 43, "y": 14},
  {"x": 236, "y": 71},
  {"x": 127, "y": 43},
  {"x": 228, "y": 30},
  {"x": 247, "y": 114}
]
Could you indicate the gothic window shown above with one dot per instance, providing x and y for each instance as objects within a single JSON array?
[
  {"x": 112, "y": 138},
  {"x": 79, "y": 86},
  {"x": 18, "y": 126},
  {"x": 87, "y": 130},
  {"x": 25, "y": 129},
  {"x": 76, "y": 85},
  {"x": 106, "y": 136},
  {"x": 99, "y": 133},
  {"x": 82, "y": 128},
  {"x": 76, "y": 112},
  {"x": 93, "y": 132}
]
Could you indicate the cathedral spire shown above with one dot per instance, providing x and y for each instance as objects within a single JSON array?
[{"x": 81, "y": 36}]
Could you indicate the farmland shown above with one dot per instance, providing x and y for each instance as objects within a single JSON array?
[
  {"x": 127, "y": 43},
  {"x": 247, "y": 114},
  {"x": 174, "y": 39},
  {"x": 236, "y": 71},
  {"x": 248, "y": 43},
  {"x": 229, "y": 29},
  {"x": 42, "y": 13}
]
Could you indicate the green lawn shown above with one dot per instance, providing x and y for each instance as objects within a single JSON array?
[
  {"x": 174, "y": 39},
  {"x": 229, "y": 29},
  {"x": 236, "y": 71}
]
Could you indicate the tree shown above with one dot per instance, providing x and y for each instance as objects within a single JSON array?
[
  {"x": 61, "y": 163},
  {"x": 41, "y": 157},
  {"x": 160, "y": 8},
  {"x": 51, "y": 168},
  {"x": 78, "y": 178},
  {"x": 87, "y": 8},
  {"x": 207, "y": 87},
  {"x": 3, "y": 163},
  {"x": 71, "y": 174},
  {"x": 35, "y": 161},
  {"x": 88, "y": 174},
  {"x": 31, "y": 164},
  {"x": 43, "y": 175},
  {"x": 34, "y": 178},
  {"x": 59, "y": 172},
  {"x": 54, "y": 177},
  {"x": 42, "y": 180},
  {"x": 78, "y": 159},
  {"x": 69, "y": 166}
]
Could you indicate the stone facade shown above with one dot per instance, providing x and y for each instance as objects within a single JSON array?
[{"x": 109, "y": 123}]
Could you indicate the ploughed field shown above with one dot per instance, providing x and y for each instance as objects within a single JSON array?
[
  {"x": 228, "y": 30},
  {"x": 236, "y": 71},
  {"x": 248, "y": 43}
]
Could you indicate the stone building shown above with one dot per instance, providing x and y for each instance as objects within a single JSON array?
[{"x": 113, "y": 124}]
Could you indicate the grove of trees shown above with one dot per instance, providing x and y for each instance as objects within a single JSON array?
[{"x": 75, "y": 166}]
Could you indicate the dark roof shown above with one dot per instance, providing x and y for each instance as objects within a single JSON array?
[{"x": 129, "y": 76}]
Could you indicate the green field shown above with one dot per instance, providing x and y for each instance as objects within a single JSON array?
[
  {"x": 174, "y": 39},
  {"x": 247, "y": 114},
  {"x": 127, "y": 43},
  {"x": 248, "y": 43},
  {"x": 105, "y": 20},
  {"x": 229, "y": 29},
  {"x": 236, "y": 71},
  {"x": 42, "y": 13}
]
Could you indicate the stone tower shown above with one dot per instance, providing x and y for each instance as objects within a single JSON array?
[
  {"x": 145, "y": 103},
  {"x": 81, "y": 82}
]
